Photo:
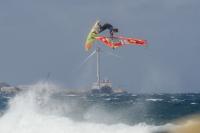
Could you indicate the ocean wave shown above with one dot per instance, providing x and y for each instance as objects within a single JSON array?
[
  {"x": 177, "y": 100},
  {"x": 154, "y": 100},
  {"x": 34, "y": 111},
  {"x": 193, "y": 103}
]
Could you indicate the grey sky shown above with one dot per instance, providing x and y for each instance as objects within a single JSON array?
[{"x": 41, "y": 36}]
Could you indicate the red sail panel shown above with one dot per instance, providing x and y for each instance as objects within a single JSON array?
[
  {"x": 110, "y": 42},
  {"x": 134, "y": 41}
]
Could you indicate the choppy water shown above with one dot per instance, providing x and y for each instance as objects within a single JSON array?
[{"x": 43, "y": 109}]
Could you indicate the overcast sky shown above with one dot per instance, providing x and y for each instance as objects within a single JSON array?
[{"x": 42, "y": 36}]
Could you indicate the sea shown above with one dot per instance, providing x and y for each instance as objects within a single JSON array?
[{"x": 44, "y": 108}]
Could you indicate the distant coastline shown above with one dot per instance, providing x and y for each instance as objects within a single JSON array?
[{"x": 8, "y": 89}]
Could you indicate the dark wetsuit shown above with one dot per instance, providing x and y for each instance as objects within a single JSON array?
[{"x": 109, "y": 27}]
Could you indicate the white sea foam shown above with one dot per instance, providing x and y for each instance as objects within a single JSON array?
[
  {"x": 154, "y": 100},
  {"x": 177, "y": 100},
  {"x": 34, "y": 112}
]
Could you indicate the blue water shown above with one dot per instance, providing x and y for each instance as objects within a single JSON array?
[
  {"x": 153, "y": 109},
  {"x": 44, "y": 108},
  {"x": 4, "y": 99}
]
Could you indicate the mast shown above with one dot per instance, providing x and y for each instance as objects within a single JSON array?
[{"x": 98, "y": 67}]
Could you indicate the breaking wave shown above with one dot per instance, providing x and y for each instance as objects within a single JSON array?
[{"x": 36, "y": 111}]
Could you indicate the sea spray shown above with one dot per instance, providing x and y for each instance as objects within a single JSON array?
[{"x": 36, "y": 111}]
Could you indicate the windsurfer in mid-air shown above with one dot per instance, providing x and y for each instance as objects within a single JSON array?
[
  {"x": 112, "y": 41},
  {"x": 100, "y": 28},
  {"x": 109, "y": 27}
]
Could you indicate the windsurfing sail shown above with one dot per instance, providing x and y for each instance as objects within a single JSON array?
[
  {"x": 110, "y": 42},
  {"x": 118, "y": 41},
  {"x": 91, "y": 38},
  {"x": 132, "y": 41}
]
